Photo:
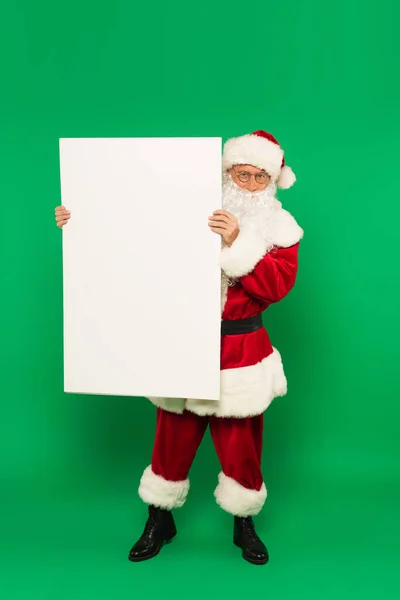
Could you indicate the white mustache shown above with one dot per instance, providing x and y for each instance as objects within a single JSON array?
[{"x": 241, "y": 202}]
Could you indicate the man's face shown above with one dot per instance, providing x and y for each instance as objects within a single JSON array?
[{"x": 250, "y": 178}]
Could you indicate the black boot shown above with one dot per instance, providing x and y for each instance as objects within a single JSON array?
[
  {"x": 159, "y": 530},
  {"x": 245, "y": 537}
]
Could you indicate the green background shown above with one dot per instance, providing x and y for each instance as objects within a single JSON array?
[{"x": 324, "y": 79}]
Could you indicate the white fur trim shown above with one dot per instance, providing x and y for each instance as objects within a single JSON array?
[
  {"x": 253, "y": 150},
  {"x": 159, "y": 492},
  {"x": 250, "y": 246},
  {"x": 238, "y": 500},
  {"x": 246, "y": 251},
  {"x": 285, "y": 230},
  {"x": 286, "y": 178},
  {"x": 245, "y": 391}
]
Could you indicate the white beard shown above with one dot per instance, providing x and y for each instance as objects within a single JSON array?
[{"x": 252, "y": 209}]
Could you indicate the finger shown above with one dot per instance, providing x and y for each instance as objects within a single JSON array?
[
  {"x": 62, "y": 223},
  {"x": 223, "y": 226},
  {"x": 222, "y": 212},
  {"x": 220, "y": 218},
  {"x": 218, "y": 230},
  {"x": 60, "y": 218}
]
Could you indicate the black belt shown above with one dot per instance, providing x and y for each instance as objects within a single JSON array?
[{"x": 241, "y": 326}]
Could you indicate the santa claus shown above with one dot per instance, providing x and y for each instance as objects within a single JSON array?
[{"x": 259, "y": 261}]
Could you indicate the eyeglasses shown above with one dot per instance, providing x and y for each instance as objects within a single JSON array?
[{"x": 245, "y": 176}]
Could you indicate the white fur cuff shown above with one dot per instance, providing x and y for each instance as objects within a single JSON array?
[
  {"x": 244, "y": 254},
  {"x": 157, "y": 491},
  {"x": 237, "y": 500}
]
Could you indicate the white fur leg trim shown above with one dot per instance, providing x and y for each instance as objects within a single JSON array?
[
  {"x": 159, "y": 492},
  {"x": 237, "y": 500},
  {"x": 244, "y": 254}
]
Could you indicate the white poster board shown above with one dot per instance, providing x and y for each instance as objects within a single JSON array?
[{"x": 140, "y": 266}]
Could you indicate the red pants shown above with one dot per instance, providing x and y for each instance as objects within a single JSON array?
[{"x": 238, "y": 443}]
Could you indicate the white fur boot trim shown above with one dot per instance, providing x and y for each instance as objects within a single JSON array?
[
  {"x": 160, "y": 492},
  {"x": 237, "y": 500}
]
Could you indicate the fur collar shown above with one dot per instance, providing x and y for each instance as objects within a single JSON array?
[{"x": 285, "y": 231}]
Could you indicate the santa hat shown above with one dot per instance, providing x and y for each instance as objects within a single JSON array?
[{"x": 259, "y": 149}]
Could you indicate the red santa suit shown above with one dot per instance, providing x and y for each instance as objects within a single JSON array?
[{"x": 258, "y": 270}]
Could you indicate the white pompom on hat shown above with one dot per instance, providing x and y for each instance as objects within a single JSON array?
[{"x": 259, "y": 149}]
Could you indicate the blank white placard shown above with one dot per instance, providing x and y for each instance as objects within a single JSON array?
[{"x": 140, "y": 266}]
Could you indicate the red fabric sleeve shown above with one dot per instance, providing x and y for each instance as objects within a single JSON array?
[{"x": 274, "y": 275}]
